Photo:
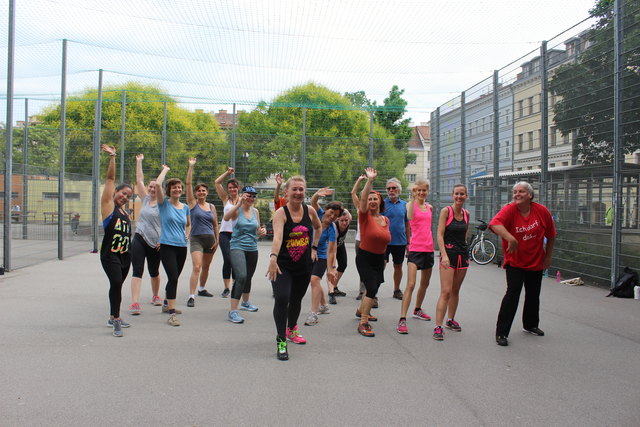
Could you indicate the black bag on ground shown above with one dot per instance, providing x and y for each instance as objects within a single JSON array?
[{"x": 623, "y": 288}]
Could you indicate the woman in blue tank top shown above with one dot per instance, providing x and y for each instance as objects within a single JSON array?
[
  {"x": 243, "y": 250},
  {"x": 203, "y": 240}
]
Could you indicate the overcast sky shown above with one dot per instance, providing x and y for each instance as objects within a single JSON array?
[{"x": 212, "y": 53}]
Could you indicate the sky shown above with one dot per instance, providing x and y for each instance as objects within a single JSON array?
[{"x": 210, "y": 54}]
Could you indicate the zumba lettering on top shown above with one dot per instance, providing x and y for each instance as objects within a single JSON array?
[
  {"x": 117, "y": 233},
  {"x": 295, "y": 251}
]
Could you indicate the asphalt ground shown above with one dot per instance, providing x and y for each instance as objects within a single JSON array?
[{"x": 60, "y": 365}]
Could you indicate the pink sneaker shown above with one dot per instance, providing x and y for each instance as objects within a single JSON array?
[
  {"x": 134, "y": 309},
  {"x": 156, "y": 300},
  {"x": 419, "y": 314},
  {"x": 294, "y": 336},
  {"x": 402, "y": 327}
]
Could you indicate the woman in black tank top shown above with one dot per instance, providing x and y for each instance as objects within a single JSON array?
[
  {"x": 296, "y": 232},
  {"x": 114, "y": 252}
]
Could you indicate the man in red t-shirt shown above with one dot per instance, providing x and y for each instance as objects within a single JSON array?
[{"x": 523, "y": 226}]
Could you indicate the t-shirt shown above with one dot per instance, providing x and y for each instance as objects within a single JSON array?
[
  {"x": 530, "y": 233},
  {"x": 397, "y": 214},
  {"x": 374, "y": 238},
  {"x": 277, "y": 204},
  {"x": 421, "y": 235},
  {"x": 174, "y": 223},
  {"x": 328, "y": 235}
]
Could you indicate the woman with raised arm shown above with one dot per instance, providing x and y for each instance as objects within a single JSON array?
[
  {"x": 203, "y": 240},
  {"x": 228, "y": 198},
  {"x": 244, "y": 250},
  {"x": 146, "y": 240},
  {"x": 176, "y": 225},
  {"x": 374, "y": 238},
  {"x": 292, "y": 253},
  {"x": 356, "y": 203},
  {"x": 114, "y": 251},
  {"x": 420, "y": 256},
  {"x": 453, "y": 227}
]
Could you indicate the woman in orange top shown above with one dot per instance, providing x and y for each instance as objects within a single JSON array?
[{"x": 374, "y": 238}]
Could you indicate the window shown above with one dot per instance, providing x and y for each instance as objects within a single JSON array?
[
  {"x": 54, "y": 196},
  {"x": 536, "y": 141},
  {"x": 520, "y": 143},
  {"x": 14, "y": 194},
  {"x": 553, "y": 136},
  {"x": 530, "y": 105},
  {"x": 506, "y": 117},
  {"x": 411, "y": 177},
  {"x": 552, "y": 165},
  {"x": 530, "y": 140},
  {"x": 520, "y": 108},
  {"x": 565, "y": 163},
  {"x": 506, "y": 148},
  {"x": 413, "y": 161}
]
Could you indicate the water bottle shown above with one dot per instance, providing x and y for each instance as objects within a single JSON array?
[
  {"x": 558, "y": 276},
  {"x": 636, "y": 292}
]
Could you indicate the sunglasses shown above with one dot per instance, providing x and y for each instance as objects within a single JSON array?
[
  {"x": 252, "y": 196},
  {"x": 392, "y": 188}
]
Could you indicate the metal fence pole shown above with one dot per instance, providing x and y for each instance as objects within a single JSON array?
[
  {"x": 63, "y": 139},
  {"x": 435, "y": 158},
  {"x": 97, "y": 128},
  {"x": 303, "y": 151},
  {"x": 233, "y": 138},
  {"x": 618, "y": 153},
  {"x": 371, "y": 139},
  {"x": 122, "y": 133},
  {"x": 25, "y": 163},
  {"x": 164, "y": 135},
  {"x": 463, "y": 139},
  {"x": 8, "y": 166},
  {"x": 544, "y": 124},
  {"x": 495, "y": 202}
]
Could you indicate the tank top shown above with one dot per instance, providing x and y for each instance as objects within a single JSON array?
[
  {"x": 295, "y": 251},
  {"x": 148, "y": 223},
  {"x": 421, "y": 235},
  {"x": 117, "y": 234},
  {"x": 244, "y": 235},
  {"x": 227, "y": 226},
  {"x": 455, "y": 232},
  {"x": 201, "y": 221}
]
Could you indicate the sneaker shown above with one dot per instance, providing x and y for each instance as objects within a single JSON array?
[
  {"x": 402, "y": 327},
  {"x": 453, "y": 325},
  {"x": 165, "y": 309},
  {"x": 339, "y": 293},
  {"x": 371, "y": 318},
  {"x": 294, "y": 336},
  {"x": 375, "y": 303},
  {"x": 535, "y": 331},
  {"x": 323, "y": 309},
  {"x": 365, "y": 330},
  {"x": 419, "y": 314},
  {"x": 282, "y": 353},
  {"x": 502, "y": 340},
  {"x": 173, "y": 320},
  {"x": 117, "y": 328},
  {"x": 438, "y": 333},
  {"x": 397, "y": 294},
  {"x": 312, "y": 319},
  {"x": 247, "y": 306},
  {"x": 225, "y": 293},
  {"x": 123, "y": 324},
  {"x": 332, "y": 298},
  {"x": 359, "y": 297},
  {"x": 191, "y": 302},
  {"x": 156, "y": 300},
  {"x": 134, "y": 309},
  {"x": 204, "y": 293},
  {"x": 234, "y": 317}
]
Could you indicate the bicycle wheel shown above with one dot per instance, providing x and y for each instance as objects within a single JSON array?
[{"x": 483, "y": 252}]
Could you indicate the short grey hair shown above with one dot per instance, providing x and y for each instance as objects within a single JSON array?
[
  {"x": 395, "y": 181},
  {"x": 525, "y": 184}
]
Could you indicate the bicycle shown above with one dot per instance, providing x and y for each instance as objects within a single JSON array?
[{"x": 481, "y": 250}]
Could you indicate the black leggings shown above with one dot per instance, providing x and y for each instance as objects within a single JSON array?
[
  {"x": 371, "y": 270},
  {"x": 117, "y": 268},
  {"x": 341, "y": 258},
  {"x": 289, "y": 289},
  {"x": 225, "y": 248},
  {"x": 532, "y": 281},
  {"x": 140, "y": 251},
  {"x": 173, "y": 258},
  {"x": 244, "y": 265}
]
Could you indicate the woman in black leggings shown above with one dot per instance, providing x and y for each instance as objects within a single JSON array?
[
  {"x": 114, "y": 252},
  {"x": 290, "y": 261}
]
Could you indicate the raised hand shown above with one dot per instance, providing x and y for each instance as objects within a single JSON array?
[
  {"x": 230, "y": 170},
  {"x": 109, "y": 149},
  {"x": 370, "y": 173},
  {"x": 140, "y": 157},
  {"x": 192, "y": 161},
  {"x": 324, "y": 192},
  {"x": 279, "y": 178}
]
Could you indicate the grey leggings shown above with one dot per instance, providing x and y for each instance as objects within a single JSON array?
[{"x": 243, "y": 264}]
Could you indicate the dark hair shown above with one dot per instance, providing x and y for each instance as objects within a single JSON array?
[
  {"x": 233, "y": 181},
  {"x": 123, "y": 185},
  {"x": 460, "y": 185},
  {"x": 170, "y": 183},
  {"x": 201, "y": 184},
  {"x": 336, "y": 206}
]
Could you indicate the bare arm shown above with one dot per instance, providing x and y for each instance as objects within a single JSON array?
[
  {"x": 163, "y": 173},
  {"x": 331, "y": 261},
  {"x": 260, "y": 231},
  {"x": 512, "y": 243},
  {"x": 140, "y": 187},
  {"x": 159, "y": 193},
  {"x": 442, "y": 224},
  {"x": 371, "y": 174},
  {"x": 354, "y": 191},
  {"x": 317, "y": 231},
  {"x": 235, "y": 209},
  {"x": 106, "y": 201},
  {"x": 549, "y": 251},
  {"x": 323, "y": 192},
  {"x": 278, "y": 226},
  {"x": 276, "y": 193},
  {"x": 187, "y": 229},
  {"x": 191, "y": 200},
  {"x": 219, "y": 188},
  {"x": 216, "y": 228}
]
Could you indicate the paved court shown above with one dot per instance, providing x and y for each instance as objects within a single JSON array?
[{"x": 59, "y": 364}]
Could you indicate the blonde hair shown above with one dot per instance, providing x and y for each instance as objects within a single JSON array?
[
  {"x": 420, "y": 182},
  {"x": 295, "y": 178}
]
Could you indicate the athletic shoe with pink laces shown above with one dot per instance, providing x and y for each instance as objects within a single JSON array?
[
  {"x": 419, "y": 314},
  {"x": 453, "y": 325},
  {"x": 134, "y": 309},
  {"x": 402, "y": 327},
  {"x": 156, "y": 300},
  {"x": 294, "y": 336}
]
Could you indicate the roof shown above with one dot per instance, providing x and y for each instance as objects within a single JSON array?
[{"x": 420, "y": 136}]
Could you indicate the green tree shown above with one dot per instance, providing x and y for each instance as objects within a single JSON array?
[
  {"x": 390, "y": 116},
  {"x": 585, "y": 87}
]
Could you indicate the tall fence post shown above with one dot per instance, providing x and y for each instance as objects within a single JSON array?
[
  {"x": 544, "y": 124},
  {"x": 495, "y": 202},
  {"x": 303, "y": 151},
  {"x": 123, "y": 118},
  {"x": 164, "y": 135},
  {"x": 25, "y": 166},
  {"x": 435, "y": 158},
  {"x": 463, "y": 139},
  {"x": 63, "y": 139},
  {"x": 8, "y": 159},
  {"x": 618, "y": 149},
  {"x": 232, "y": 160},
  {"x": 97, "y": 128}
]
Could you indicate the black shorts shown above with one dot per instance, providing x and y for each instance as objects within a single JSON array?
[
  {"x": 341, "y": 258},
  {"x": 422, "y": 260},
  {"x": 457, "y": 260},
  {"x": 397, "y": 252},
  {"x": 319, "y": 267}
]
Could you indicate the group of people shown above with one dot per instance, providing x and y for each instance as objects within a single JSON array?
[{"x": 308, "y": 241}]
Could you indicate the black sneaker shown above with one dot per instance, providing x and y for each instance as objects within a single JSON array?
[
  {"x": 339, "y": 293},
  {"x": 359, "y": 297},
  {"x": 397, "y": 294},
  {"x": 535, "y": 331},
  {"x": 282, "y": 352},
  {"x": 204, "y": 293},
  {"x": 332, "y": 298},
  {"x": 502, "y": 340},
  {"x": 225, "y": 293},
  {"x": 191, "y": 302}
]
